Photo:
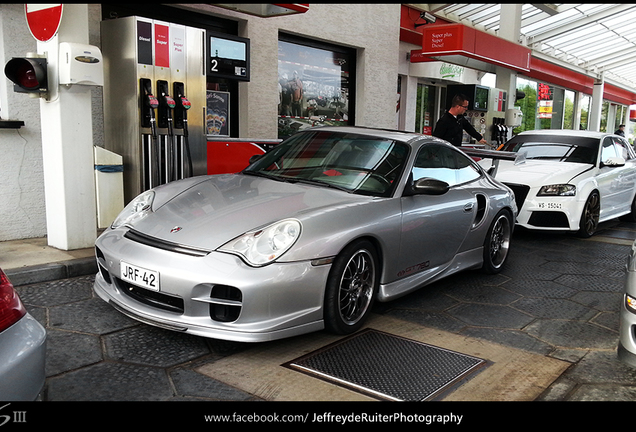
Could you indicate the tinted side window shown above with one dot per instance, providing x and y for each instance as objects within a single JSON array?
[
  {"x": 444, "y": 163},
  {"x": 624, "y": 148},
  {"x": 609, "y": 150}
]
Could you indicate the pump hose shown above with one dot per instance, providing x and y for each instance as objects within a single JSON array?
[
  {"x": 186, "y": 143},
  {"x": 170, "y": 145},
  {"x": 155, "y": 153}
]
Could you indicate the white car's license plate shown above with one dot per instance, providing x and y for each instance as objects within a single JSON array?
[
  {"x": 140, "y": 276},
  {"x": 549, "y": 205}
]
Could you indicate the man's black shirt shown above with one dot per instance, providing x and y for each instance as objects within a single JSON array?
[{"x": 450, "y": 128}]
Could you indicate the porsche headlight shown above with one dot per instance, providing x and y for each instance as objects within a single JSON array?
[
  {"x": 135, "y": 210},
  {"x": 557, "y": 190},
  {"x": 264, "y": 246}
]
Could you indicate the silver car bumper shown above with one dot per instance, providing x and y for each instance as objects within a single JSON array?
[
  {"x": 22, "y": 360},
  {"x": 627, "y": 330},
  {"x": 216, "y": 295}
]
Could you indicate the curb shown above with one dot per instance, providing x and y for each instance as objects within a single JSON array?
[{"x": 53, "y": 271}]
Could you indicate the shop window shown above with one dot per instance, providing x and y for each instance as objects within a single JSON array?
[
  {"x": 315, "y": 85},
  {"x": 425, "y": 109},
  {"x": 584, "y": 106},
  {"x": 545, "y": 106}
]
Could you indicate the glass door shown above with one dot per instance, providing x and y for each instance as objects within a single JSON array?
[{"x": 425, "y": 108}]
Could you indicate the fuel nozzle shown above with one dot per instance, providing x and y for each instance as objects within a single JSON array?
[
  {"x": 185, "y": 103},
  {"x": 170, "y": 103},
  {"x": 152, "y": 101},
  {"x": 150, "y": 98}
]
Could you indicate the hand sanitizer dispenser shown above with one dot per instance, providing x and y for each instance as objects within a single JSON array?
[{"x": 80, "y": 64}]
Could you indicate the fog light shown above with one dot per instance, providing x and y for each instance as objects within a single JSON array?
[{"x": 630, "y": 302}]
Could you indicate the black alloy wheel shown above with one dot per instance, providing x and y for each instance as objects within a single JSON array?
[{"x": 590, "y": 216}]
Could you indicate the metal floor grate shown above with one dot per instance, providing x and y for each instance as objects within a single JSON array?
[{"x": 389, "y": 367}]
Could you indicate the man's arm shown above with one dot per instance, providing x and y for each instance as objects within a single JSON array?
[{"x": 471, "y": 130}]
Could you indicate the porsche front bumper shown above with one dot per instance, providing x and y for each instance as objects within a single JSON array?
[{"x": 213, "y": 294}]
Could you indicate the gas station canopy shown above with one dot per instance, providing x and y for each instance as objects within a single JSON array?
[
  {"x": 597, "y": 40},
  {"x": 266, "y": 9}
]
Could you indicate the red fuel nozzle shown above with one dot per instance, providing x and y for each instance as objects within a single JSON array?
[{"x": 152, "y": 101}]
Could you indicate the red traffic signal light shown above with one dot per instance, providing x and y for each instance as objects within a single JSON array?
[{"x": 27, "y": 74}]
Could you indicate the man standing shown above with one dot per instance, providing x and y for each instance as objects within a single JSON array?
[
  {"x": 621, "y": 130},
  {"x": 451, "y": 125}
]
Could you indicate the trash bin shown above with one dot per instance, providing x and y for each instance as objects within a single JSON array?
[{"x": 109, "y": 184}]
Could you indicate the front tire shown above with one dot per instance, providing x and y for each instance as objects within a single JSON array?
[
  {"x": 590, "y": 216},
  {"x": 497, "y": 243},
  {"x": 351, "y": 288}
]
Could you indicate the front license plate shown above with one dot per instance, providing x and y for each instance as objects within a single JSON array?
[
  {"x": 549, "y": 205},
  {"x": 140, "y": 276}
]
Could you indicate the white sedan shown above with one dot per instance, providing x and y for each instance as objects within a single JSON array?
[{"x": 566, "y": 180}]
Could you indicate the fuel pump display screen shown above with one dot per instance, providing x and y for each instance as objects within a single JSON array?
[{"x": 229, "y": 57}]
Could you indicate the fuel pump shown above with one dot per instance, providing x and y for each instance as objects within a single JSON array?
[
  {"x": 137, "y": 48},
  {"x": 151, "y": 151},
  {"x": 166, "y": 107},
  {"x": 181, "y": 122},
  {"x": 496, "y": 132}
]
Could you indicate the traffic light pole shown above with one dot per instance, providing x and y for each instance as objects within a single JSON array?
[{"x": 67, "y": 145}]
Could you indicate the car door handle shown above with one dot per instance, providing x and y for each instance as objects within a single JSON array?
[{"x": 469, "y": 207}]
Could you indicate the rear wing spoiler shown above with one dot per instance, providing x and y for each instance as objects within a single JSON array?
[{"x": 495, "y": 156}]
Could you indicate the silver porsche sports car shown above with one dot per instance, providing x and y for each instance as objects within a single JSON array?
[{"x": 306, "y": 237}]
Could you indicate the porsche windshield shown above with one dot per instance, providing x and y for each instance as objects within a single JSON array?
[
  {"x": 360, "y": 164},
  {"x": 556, "y": 148}
]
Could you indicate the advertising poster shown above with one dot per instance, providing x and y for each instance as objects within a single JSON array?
[{"x": 218, "y": 109}]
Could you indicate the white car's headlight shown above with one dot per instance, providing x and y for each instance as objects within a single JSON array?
[
  {"x": 135, "y": 210},
  {"x": 264, "y": 246},
  {"x": 557, "y": 190}
]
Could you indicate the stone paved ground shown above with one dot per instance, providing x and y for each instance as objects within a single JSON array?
[{"x": 558, "y": 296}]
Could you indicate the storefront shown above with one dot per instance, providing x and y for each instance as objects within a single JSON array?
[
  {"x": 314, "y": 63},
  {"x": 435, "y": 56},
  {"x": 269, "y": 76}
]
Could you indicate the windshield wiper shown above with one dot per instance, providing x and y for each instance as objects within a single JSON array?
[
  {"x": 318, "y": 182},
  {"x": 265, "y": 175}
]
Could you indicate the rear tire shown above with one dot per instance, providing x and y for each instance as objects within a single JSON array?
[
  {"x": 351, "y": 288},
  {"x": 497, "y": 243}
]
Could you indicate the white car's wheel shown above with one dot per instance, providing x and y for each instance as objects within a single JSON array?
[{"x": 590, "y": 216}]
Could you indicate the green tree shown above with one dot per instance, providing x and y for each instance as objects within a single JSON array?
[{"x": 528, "y": 106}]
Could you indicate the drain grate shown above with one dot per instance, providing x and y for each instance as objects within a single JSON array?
[{"x": 389, "y": 367}]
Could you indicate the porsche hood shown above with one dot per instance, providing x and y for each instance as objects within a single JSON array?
[{"x": 213, "y": 212}]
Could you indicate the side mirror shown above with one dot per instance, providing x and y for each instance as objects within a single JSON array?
[
  {"x": 429, "y": 186},
  {"x": 254, "y": 158},
  {"x": 613, "y": 162}
]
